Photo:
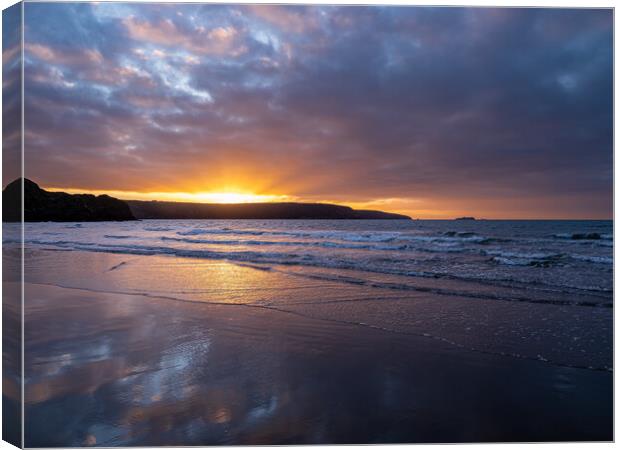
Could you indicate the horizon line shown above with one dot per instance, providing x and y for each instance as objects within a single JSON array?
[{"x": 254, "y": 199}]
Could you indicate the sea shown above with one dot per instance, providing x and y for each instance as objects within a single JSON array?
[
  {"x": 204, "y": 332},
  {"x": 536, "y": 289},
  {"x": 566, "y": 258}
]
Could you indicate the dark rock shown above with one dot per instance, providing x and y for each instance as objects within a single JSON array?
[
  {"x": 465, "y": 218},
  {"x": 44, "y": 206}
]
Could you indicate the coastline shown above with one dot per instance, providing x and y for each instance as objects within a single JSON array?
[{"x": 128, "y": 365}]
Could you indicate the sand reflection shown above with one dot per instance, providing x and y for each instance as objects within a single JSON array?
[{"x": 110, "y": 369}]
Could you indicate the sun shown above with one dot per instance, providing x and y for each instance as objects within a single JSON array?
[
  {"x": 221, "y": 197},
  {"x": 234, "y": 197}
]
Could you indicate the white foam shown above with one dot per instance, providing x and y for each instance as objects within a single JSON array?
[{"x": 594, "y": 259}]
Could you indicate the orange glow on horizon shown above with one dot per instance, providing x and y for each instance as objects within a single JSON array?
[
  {"x": 220, "y": 197},
  {"x": 235, "y": 195},
  {"x": 416, "y": 208}
]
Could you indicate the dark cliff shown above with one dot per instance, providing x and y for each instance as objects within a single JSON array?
[{"x": 43, "y": 206}]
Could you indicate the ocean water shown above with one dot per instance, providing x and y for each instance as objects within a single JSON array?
[
  {"x": 250, "y": 332},
  {"x": 539, "y": 290},
  {"x": 571, "y": 259}
]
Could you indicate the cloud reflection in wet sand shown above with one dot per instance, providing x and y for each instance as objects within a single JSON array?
[{"x": 111, "y": 369}]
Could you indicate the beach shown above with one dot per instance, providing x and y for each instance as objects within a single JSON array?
[
  {"x": 130, "y": 347},
  {"x": 307, "y": 224},
  {"x": 270, "y": 224}
]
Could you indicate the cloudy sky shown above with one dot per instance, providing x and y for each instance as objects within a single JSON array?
[{"x": 434, "y": 112}]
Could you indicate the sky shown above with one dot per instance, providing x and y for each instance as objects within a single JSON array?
[{"x": 431, "y": 112}]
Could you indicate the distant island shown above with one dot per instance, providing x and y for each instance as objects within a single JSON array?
[
  {"x": 465, "y": 218},
  {"x": 44, "y": 206}
]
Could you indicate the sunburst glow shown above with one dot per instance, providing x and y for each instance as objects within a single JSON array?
[{"x": 232, "y": 196}]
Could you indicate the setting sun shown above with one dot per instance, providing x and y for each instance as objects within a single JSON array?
[
  {"x": 232, "y": 197},
  {"x": 224, "y": 196}
]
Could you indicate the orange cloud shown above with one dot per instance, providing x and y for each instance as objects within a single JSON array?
[
  {"x": 215, "y": 41},
  {"x": 284, "y": 18},
  {"x": 63, "y": 57}
]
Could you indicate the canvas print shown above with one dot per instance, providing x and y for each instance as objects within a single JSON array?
[{"x": 244, "y": 224}]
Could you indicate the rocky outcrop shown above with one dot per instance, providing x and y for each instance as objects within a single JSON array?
[{"x": 43, "y": 206}]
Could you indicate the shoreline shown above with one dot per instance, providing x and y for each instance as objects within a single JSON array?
[
  {"x": 340, "y": 333},
  {"x": 423, "y": 336},
  {"x": 311, "y": 343},
  {"x": 537, "y": 330},
  {"x": 146, "y": 368}
]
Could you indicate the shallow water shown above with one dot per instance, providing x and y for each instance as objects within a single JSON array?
[
  {"x": 530, "y": 289},
  {"x": 562, "y": 256},
  {"x": 486, "y": 297},
  {"x": 115, "y": 369}
]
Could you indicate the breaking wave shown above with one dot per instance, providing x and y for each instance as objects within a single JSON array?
[{"x": 531, "y": 258}]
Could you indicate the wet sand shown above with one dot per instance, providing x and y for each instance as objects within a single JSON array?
[{"x": 127, "y": 357}]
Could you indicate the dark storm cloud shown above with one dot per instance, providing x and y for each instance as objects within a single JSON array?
[
  {"x": 11, "y": 94},
  {"x": 468, "y": 105}
]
